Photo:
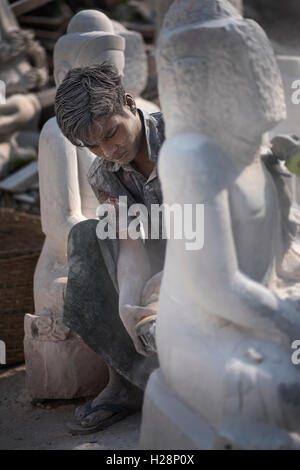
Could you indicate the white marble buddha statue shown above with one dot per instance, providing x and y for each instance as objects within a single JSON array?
[
  {"x": 66, "y": 197},
  {"x": 224, "y": 331},
  {"x": 135, "y": 72},
  {"x": 58, "y": 363}
]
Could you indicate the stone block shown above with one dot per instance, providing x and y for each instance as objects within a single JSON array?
[{"x": 59, "y": 365}]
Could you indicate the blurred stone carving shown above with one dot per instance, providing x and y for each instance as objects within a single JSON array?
[
  {"x": 228, "y": 313},
  {"x": 18, "y": 50},
  {"x": 23, "y": 67}
]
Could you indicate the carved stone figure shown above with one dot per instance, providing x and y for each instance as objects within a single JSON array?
[
  {"x": 17, "y": 49},
  {"x": 135, "y": 70},
  {"x": 23, "y": 67},
  {"x": 67, "y": 198},
  {"x": 162, "y": 6},
  {"x": 227, "y": 314}
]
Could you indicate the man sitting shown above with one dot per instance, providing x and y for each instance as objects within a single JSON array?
[{"x": 109, "y": 279}]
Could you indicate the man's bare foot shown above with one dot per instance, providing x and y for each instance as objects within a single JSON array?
[{"x": 118, "y": 392}]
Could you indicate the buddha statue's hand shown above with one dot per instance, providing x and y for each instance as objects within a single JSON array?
[
  {"x": 18, "y": 111},
  {"x": 130, "y": 316}
]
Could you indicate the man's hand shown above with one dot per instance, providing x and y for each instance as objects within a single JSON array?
[
  {"x": 152, "y": 287},
  {"x": 130, "y": 316}
]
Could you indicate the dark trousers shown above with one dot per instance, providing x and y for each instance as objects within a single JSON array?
[{"x": 91, "y": 303}]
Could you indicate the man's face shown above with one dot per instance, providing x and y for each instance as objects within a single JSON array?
[{"x": 119, "y": 137}]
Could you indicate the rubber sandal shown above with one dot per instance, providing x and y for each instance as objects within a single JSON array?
[
  {"x": 119, "y": 413},
  {"x": 87, "y": 408}
]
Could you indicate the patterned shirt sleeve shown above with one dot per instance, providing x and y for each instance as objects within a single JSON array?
[{"x": 110, "y": 195}]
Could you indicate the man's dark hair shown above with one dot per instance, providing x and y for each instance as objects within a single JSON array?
[{"x": 86, "y": 95}]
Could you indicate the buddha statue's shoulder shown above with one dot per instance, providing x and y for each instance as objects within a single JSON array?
[
  {"x": 52, "y": 135},
  {"x": 50, "y": 128}
]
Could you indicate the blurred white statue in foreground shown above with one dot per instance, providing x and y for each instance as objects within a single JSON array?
[{"x": 227, "y": 314}]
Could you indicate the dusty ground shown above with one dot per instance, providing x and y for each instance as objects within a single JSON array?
[{"x": 24, "y": 426}]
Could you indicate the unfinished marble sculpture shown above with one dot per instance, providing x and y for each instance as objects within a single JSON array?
[
  {"x": 66, "y": 199},
  {"x": 18, "y": 51},
  {"x": 162, "y": 6},
  {"x": 227, "y": 316},
  {"x": 23, "y": 67},
  {"x": 135, "y": 71}
]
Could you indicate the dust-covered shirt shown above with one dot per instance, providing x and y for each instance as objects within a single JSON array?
[{"x": 110, "y": 180}]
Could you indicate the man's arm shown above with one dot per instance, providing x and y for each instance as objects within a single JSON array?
[
  {"x": 133, "y": 271},
  {"x": 152, "y": 287}
]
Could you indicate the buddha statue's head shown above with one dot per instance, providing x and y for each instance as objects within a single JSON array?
[
  {"x": 90, "y": 20},
  {"x": 90, "y": 40},
  {"x": 218, "y": 75},
  {"x": 135, "y": 68}
]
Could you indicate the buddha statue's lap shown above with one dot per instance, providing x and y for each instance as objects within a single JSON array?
[{"x": 234, "y": 370}]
